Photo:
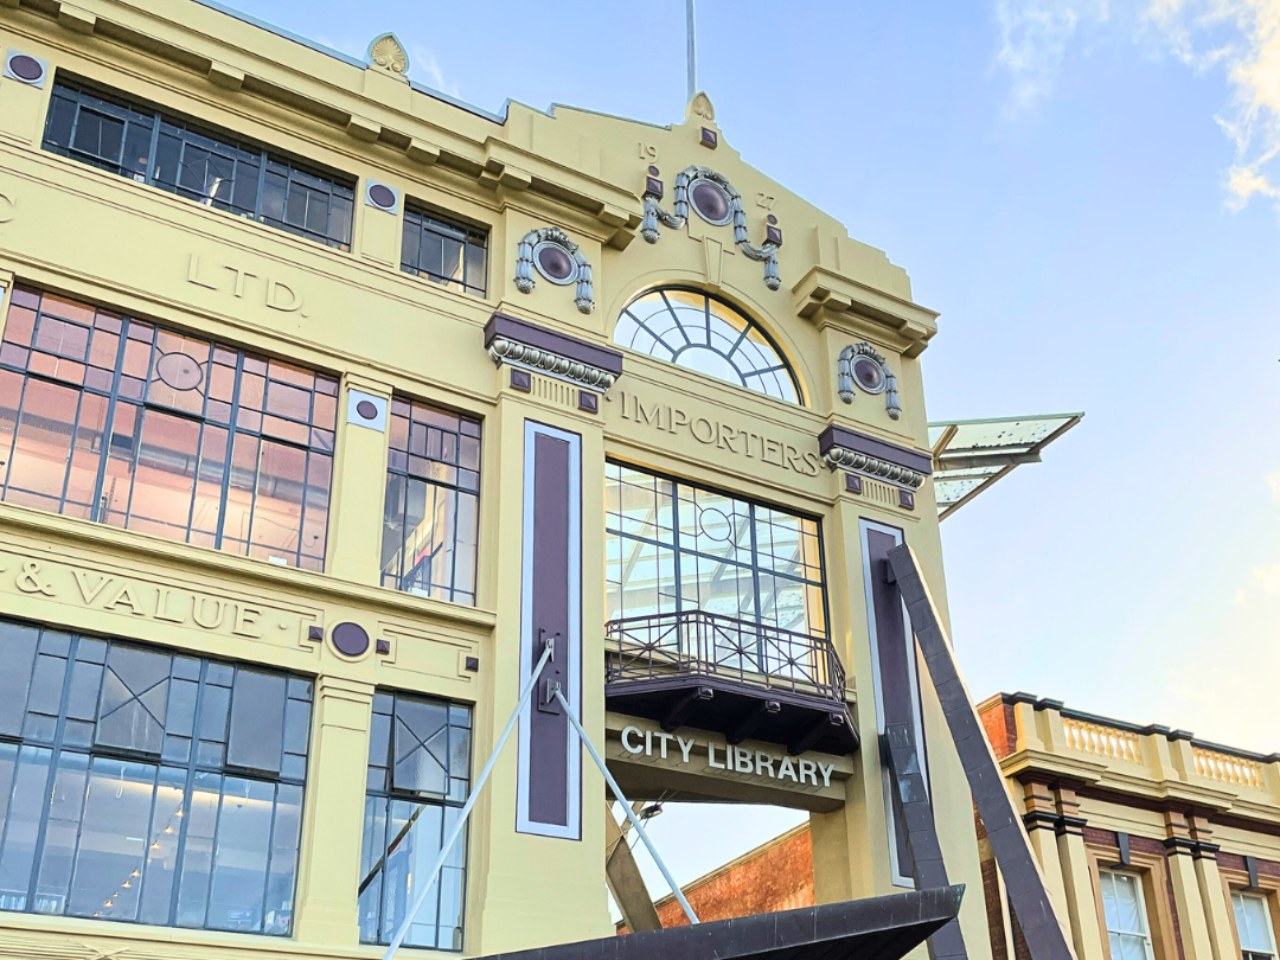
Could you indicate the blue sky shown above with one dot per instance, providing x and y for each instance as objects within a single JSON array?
[{"x": 1083, "y": 189}]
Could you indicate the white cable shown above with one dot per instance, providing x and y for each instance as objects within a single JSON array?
[
  {"x": 631, "y": 814},
  {"x": 403, "y": 930}
]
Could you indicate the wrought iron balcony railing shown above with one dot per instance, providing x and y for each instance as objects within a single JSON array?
[{"x": 695, "y": 643}]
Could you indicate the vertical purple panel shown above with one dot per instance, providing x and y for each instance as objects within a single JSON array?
[
  {"x": 899, "y": 696},
  {"x": 549, "y": 729},
  {"x": 549, "y": 794}
]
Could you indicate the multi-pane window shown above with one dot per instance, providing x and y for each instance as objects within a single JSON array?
[
  {"x": 145, "y": 786},
  {"x": 450, "y": 254},
  {"x": 419, "y": 777},
  {"x": 1253, "y": 924},
  {"x": 110, "y": 418},
  {"x": 699, "y": 332},
  {"x": 432, "y": 508},
  {"x": 673, "y": 547},
  {"x": 139, "y": 142},
  {"x": 1128, "y": 933}
]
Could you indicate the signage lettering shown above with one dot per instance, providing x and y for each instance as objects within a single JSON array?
[
  {"x": 135, "y": 598},
  {"x": 721, "y": 435},
  {"x": 730, "y": 758},
  {"x": 275, "y": 294}
]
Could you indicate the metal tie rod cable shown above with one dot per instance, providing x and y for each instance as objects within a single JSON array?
[
  {"x": 631, "y": 814},
  {"x": 403, "y": 930}
]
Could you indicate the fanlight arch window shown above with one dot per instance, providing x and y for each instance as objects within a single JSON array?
[{"x": 699, "y": 332}]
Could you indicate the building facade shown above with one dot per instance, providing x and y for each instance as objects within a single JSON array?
[
  {"x": 1154, "y": 845},
  {"x": 327, "y": 403}
]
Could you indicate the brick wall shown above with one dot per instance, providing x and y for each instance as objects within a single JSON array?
[{"x": 777, "y": 876}]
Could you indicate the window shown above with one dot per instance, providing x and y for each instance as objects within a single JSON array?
[
  {"x": 138, "y": 142},
  {"x": 699, "y": 332},
  {"x": 450, "y": 254},
  {"x": 672, "y": 547},
  {"x": 431, "y": 514},
  {"x": 1126, "y": 916},
  {"x": 109, "y": 418},
  {"x": 1253, "y": 924},
  {"x": 144, "y": 786},
  {"x": 419, "y": 778}
]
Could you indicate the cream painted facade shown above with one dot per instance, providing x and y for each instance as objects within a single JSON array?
[
  {"x": 93, "y": 235},
  {"x": 1195, "y": 824}
]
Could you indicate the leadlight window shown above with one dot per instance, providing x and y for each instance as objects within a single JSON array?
[
  {"x": 1253, "y": 924},
  {"x": 451, "y": 254},
  {"x": 138, "y": 142},
  {"x": 109, "y": 418},
  {"x": 144, "y": 786},
  {"x": 1125, "y": 909},
  {"x": 419, "y": 778},
  {"x": 431, "y": 513},
  {"x": 672, "y": 547},
  {"x": 703, "y": 333}
]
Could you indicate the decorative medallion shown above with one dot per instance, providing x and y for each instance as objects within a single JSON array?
[
  {"x": 389, "y": 54},
  {"x": 714, "y": 199},
  {"x": 179, "y": 371},
  {"x": 862, "y": 364},
  {"x": 700, "y": 106},
  {"x": 555, "y": 257},
  {"x": 25, "y": 68}
]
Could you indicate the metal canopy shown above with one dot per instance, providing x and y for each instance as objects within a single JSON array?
[
  {"x": 877, "y": 928},
  {"x": 970, "y": 455}
]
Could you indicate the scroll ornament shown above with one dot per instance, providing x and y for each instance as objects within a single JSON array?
[
  {"x": 585, "y": 296},
  {"x": 766, "y": 253},
  {"x": 845, "y": 380}
]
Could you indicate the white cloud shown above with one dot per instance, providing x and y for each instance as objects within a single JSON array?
[
  {"x": 1034, "y": 37},
  {"x": 1239, "y": 37},
  {"x": 424, "y": 65}
]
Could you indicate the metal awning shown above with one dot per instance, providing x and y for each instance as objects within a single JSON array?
[
  {"x": 877, "y": 928},
  {"x": 970, "y": 455}
]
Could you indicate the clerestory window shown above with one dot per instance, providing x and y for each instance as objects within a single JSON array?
[{"x": 699, "y": 332}]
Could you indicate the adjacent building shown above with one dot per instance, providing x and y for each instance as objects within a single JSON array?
[{"x": 328, "y": 403}]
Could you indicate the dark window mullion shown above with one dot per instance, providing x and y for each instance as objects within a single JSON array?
[
  {"x": 179, "y": 862},
  {"x": 55, "y": 755},
  {"x": 149, "y": 176},
  {"x": 109, "y": 433},
  {"x": 71, "y": 453},
  {"x": 262, "y": 186},
  {"x": 271, "y": 842},
  {"x": 228, "y": 460}
]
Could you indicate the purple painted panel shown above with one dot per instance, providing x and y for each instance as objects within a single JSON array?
[
  {"x": 837, "y": 436},
  {"x": 894, "y": 677},
  {"x": 548, "y": 726}
]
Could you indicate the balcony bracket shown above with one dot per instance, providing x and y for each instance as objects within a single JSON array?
[
  {"x": 753, "y": 720},
  {"x": 684, "y": 707},
  {"x": 826, "y": 725}
]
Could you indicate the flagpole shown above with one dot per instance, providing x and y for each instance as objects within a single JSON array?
[{"x": 692, "y": 51}]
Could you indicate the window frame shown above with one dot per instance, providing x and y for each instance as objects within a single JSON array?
[
  {"x": 418, "y": 216},
  {"x": 388, "y": 794},
  {"x": 69, "y": 88},
  {"x": 755, "y": 567},
  {"x": 57, "y": 745},
  {"x": 1268, "y": 908},
  {"x": 145, "y": 407},
  {"x": 1141, "y": 909},
  {"x": 784, "y": 365},
  {"x": 399, "y": 402}
]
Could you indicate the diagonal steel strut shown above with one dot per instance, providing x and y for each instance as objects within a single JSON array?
[{"x": 1045, "y": 934}]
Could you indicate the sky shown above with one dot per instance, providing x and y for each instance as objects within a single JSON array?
[{"x": 1089, "y": 193}]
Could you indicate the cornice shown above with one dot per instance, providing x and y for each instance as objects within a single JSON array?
[
  {"x": 347, "y": 103},
  {"x": 823, "y": 291},
  {"x": 1027, "y": 764}
]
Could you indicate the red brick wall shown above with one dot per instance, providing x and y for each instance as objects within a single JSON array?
[
  {"x": 779, "y": 877},
  {"x": 1001, "y": 725}
]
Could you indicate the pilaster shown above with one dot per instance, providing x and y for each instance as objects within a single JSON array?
[
  {"x": 360, "y": 480},
  {"x": 1212, "y": 890},
  {"x": 1194, "y": 926},
  {"x": 326, "y": 909},
  {"x": 1076, "y": 878}
]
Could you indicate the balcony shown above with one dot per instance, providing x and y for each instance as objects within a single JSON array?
[{"x": 730, "y": 676}]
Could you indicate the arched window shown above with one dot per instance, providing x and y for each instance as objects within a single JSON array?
[{"x": 699, "y": 332}]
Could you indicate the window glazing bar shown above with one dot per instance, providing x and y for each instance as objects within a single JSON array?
[{"x": 429, "y": 881}]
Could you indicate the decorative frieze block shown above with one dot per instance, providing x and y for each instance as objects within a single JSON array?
[
  {"x": 527, "y": 345},
  {"x": 845, "y": 449}
]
